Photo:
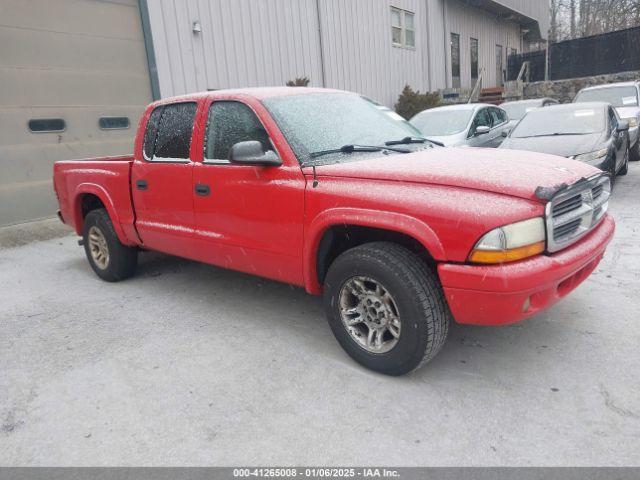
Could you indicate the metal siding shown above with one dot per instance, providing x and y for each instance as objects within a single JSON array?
[
  {"x": 267, "y": 42},
  {"x": 243, "y": 43}
]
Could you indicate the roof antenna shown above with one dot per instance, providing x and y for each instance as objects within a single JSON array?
[{"x": 315, "y": 177}]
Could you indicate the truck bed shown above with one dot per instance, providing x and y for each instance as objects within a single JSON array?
[{"x": 103, "y": 179}]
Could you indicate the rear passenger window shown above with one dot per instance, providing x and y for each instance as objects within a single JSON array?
[
  {"x": 151, "y": 132},
  {"x": 173, "y": 139},
  {"x": 230, "y": 123}
]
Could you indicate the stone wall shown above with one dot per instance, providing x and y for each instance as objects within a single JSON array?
[{"x": 565, "y": 90}]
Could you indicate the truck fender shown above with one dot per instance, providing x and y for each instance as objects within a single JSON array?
[
  {"x": 397, "y": 222},
  {"x": 105, "y": 198}
]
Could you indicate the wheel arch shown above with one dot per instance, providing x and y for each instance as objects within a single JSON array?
[
  {"x": 89, "y": 197},
  {"x": 336, "y": 230}
]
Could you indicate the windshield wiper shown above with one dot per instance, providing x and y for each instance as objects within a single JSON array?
[
  {"x": 556, "y": 134},
  {"x": 408, "y": 140},
  {"x": 357, "y": 148}
]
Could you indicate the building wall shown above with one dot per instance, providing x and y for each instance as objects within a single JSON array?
[
  {"x": 77, "y": 60},
  {"x": 243, "y": 43},
  {"x": 335, "y": 43},
  {"x": 468, "y": 22}
]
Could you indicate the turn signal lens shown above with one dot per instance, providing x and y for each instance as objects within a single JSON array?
[
  {"x": 503, "y": 256},
  {"x": 511, "y": 242}
]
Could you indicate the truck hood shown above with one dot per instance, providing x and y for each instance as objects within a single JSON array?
[{"x": 507, "y": 172}]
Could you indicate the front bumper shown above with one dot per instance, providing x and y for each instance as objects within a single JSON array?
[{"x": 503, "y": 294}]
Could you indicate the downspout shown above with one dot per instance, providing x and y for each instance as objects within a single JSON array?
[
  {"x": 148, "y": 46},
  {"x": 324, "y": 81}
]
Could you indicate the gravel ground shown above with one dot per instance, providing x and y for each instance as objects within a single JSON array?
[{"x": 187, "y": 364}]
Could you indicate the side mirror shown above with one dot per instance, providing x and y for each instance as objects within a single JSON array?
[
  {"x": 623, "y": 125},
  {"x": 482, "y": 130},
  {"x": 252, "y": 153},
  {"x": 505, "y": 133}
]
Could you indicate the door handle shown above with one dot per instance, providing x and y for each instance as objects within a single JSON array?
[
  {"x": 142, "y": 184},
  {"x": 202, "y": 189}
]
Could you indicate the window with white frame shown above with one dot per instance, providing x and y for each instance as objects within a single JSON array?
[{"x": 402, "y": 28}]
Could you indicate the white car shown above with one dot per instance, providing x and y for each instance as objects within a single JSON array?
[
  {"x": 469, "y": 124},
  {"x": 624, "y": 96}
]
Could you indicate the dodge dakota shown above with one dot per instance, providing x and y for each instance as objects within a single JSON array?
[{"x": 322, "y": 189}]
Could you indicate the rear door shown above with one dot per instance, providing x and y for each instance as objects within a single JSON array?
[
  {"x": 247, "y": 218},
  {"x": 162, "y": 181}
]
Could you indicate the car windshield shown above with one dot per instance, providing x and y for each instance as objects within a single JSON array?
[
  {"x": 318, "y": 122},
  {"x": 560, "y": 121},
  {"x": 616, "y": 96},
  {"x": 436, "y": 123},
  {"x": 517, "y": 110}
]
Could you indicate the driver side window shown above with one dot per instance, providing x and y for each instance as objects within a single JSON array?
[
  {"x": 231, "y": 122},
  {"x": 482, "y": 119},
  {"x": 613, "y": 120}
]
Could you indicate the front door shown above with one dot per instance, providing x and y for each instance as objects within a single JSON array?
[
  {"x": 162, "y": 181},
  {"x": 481, "y": 119},
  {"x": 247, "y": 218}
]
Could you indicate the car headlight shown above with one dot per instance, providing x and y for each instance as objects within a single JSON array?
[
  {"x": 633, "y": 122},
  {"x": 592, "y": 156},
  {"x": 510, "y": 243}
]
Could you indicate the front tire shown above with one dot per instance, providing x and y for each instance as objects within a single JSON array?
[
  {"x": 634, "y": 154},
  {"x": 386, "y": 307},
  {"x": 625, "y": 166},
  {"x": 110, "y": 260}
]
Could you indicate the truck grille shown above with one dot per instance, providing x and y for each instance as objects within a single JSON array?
[{"x": 575, "y": 211}]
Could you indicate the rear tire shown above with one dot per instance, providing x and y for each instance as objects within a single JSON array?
[
  {"x": 110, "y": 260},
  {"x": 386, "y": 288}
]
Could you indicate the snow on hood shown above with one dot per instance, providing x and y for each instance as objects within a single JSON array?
[{"x": 509, "y": 172}]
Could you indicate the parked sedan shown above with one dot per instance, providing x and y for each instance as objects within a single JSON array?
[
  {"x": 518, "y": 108},
  {"x": 590, "y": 132},
  {"x": 624, "y": 96},
  {"x": 470, "y": 124}
]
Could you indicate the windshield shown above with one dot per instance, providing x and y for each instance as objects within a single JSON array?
[
  {"x": 323, "y": 121},
  {"x": 560, "y": 121},
  {"x": 616, "y": 96},
  {"x": 517, "y": 110},
  {"x": 436, "y": 123}
]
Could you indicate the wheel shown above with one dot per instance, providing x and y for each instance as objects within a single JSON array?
[
  {"x": 625, "y": 165},
  {"x": 634, "y": 154},
  {"x": 111, "y": 260},
  {"x": 386, "y": 307}
]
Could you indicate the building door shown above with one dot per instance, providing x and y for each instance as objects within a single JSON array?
[
  {"x": 499, "y": 66},
  {"x": 74, "y": 82},
  {"x": 473, "y": 54}
]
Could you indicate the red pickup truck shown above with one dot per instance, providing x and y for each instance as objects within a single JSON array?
[{"x": 325, "y": 190}]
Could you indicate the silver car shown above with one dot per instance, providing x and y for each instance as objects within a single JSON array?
[
  {"x": 624, "y": 97},
  {"x": 470, "y": 124},
  {"x": 518, "y": 108}
]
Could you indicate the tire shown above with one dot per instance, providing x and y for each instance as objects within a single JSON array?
[
  {"x": 634, "y": 153},
  {"x": 415, "y": 298},
  {"x": 625, "y": 166},
  {"x": 117, "y": 262}
]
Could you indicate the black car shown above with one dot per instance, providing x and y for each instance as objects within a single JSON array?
[{"x": 590, "y": 132}]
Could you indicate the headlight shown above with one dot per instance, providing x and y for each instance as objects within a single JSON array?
[
  {"x": 511, "y": 242},
  {"x": 592, "y": 156},
  {"x": 633, "y": 122}
]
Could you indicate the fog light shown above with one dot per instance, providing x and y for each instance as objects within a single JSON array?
[{"x": 526, "y": 305}]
